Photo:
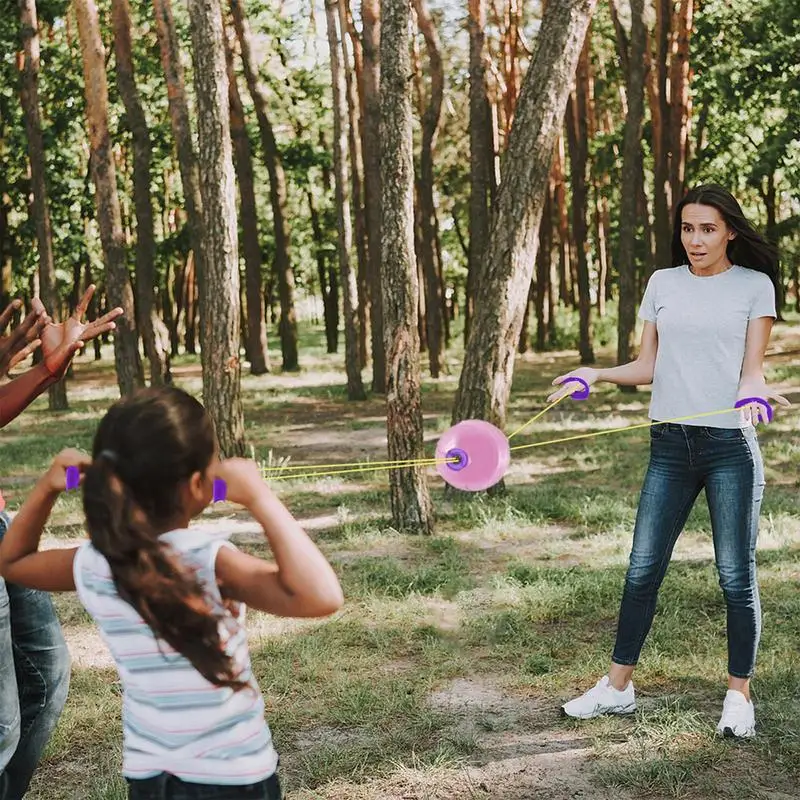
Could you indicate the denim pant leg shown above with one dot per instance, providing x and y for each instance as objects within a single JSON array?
[
  {"x": 670, "y": 489},
  {"x": 734, "y": 490},
  {"x": 9, "y": 698},
  {"x": 42, "y": 668},
  {"x": 168, "y": 787}
]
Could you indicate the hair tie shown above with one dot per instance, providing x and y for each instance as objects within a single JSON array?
[{"x": 108, "y": 455}]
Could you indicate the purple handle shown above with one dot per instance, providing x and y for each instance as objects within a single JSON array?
[
  {"x": 745, "y": 401},
  {"x": 220, "y": 490},
  {"x": 73, "y": 478},
  {"x": 578, "y": 394}
]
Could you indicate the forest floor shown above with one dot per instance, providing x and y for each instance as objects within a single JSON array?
[{"x": 443, "y": 674}]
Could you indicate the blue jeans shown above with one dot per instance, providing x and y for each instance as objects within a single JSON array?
[
  {"x": 168, "y": 787},
  {"x": 683, "y": 460},
  {"x": 34, "y": 681}
]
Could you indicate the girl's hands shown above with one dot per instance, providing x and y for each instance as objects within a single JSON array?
[
  {"x": 243, "y": 478},
  {"x": 588, "y": 374},
  {"x": 23, "y": 339},
  {"x": 755, "y": 412},
  {"x": 55, "y": 479}
]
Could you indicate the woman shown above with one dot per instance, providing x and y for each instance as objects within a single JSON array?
[
  {"x": 34, "y": 661},
  {"x": 707, "y": 323}
]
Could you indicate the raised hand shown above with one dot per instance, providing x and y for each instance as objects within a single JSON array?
[
  {"x": 566, "y": 386},
  {"x": 24, "y": 339},
  {"x": 61, "y": 340},
  {"x": 756, "y": 412}
]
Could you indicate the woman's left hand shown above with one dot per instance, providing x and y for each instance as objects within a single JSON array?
[
  {"x": 55, "y": 479},
  {"x": 754, "y": 412}
]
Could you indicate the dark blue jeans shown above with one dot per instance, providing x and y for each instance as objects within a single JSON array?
[
  {"x": 34, "y": 681},
  {"x": 683, "y": 460},
  {"x": 168, "y": 787}
]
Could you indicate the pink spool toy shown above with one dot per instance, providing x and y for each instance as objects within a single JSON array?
[{"x": 482, "y": 451}]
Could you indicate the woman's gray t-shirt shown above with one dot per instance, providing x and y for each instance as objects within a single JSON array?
[{"x": 702, "y": 327}]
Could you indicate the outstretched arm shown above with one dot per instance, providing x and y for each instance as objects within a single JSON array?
[{"x": 19, "y": 393}]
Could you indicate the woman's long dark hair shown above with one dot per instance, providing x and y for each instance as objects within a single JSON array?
[
  {"x": 748, "y": 249},
  {"x": 145, "y": 447}
]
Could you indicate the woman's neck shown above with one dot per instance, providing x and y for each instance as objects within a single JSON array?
[{"x": 723, "y": 265}]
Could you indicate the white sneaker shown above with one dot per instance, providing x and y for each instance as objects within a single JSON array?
[
  {"x": 738, "y": 717},
  {"x": 602, "y": 699}
]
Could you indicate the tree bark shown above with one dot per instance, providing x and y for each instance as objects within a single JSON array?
[
  {"x": 565, "y": 289},
  {"x": 578, "y": 138},
  {"x": 256, "y": 331},
  {"x": 427, "y": 206},
  {"x": 278, "y": 196},
  {"x": 219, "y": 282},
  {"x": 145, "y": 284},
  {"x": 371, "y": 35},
  {"x": 29, "y": 93},
  {"x": 410, "y": 499},
  {"x": 544, "y": 317},
  {"x": 118, "y": 285},
  {"x": 355, "y": 389},
  {"x": 680, "y": 99},
  {"x": 353, "y": 74},
  {"x": 485, "y": 380},
  {"x": 481, "y": 157},
  {"x": 631, "y": 178},
  {"x": 661, "y": 129},
  {"x": 181, "y": 127}
]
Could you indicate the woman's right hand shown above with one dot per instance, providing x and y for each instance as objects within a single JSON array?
[
  {"x": 243, "y": 478},
  {"x": 588, "y": 374}
]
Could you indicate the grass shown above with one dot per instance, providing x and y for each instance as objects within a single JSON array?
[{"x": 442, "y": 675}]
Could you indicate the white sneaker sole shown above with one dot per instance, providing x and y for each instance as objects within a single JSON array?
[{"x": 615, "y": 711}]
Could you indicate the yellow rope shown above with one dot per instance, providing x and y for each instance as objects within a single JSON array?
[{"x": 540, "y": 414}]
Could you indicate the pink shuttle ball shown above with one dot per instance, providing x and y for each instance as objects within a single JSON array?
[{"x": 482, "y": 451}]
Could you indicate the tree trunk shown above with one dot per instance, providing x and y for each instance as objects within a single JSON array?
[
  {"x": 118, "y": 284},
  {"x": 631, "y": 177},
  {"x": 660, "y": 127},
  {"x": 354, "y": 115},
  {"x": 410, "y": 499},
  {"x": 29, "y": 93},
  {"x": 355, "y": 389},
  {"x": 330, "y": 301},
  {"x": 145, "y": 283},
  {"x": 243, "y": 162},
  {"x": 544, "y": 318},
  {"x": 371, "y": 33},
  {"x": 181, "y": 127},
  {"x": 680, "y": 99},
  {"x": 219, "y": 281},
  {"x": 578, "y": 137},
  {"x": 770, "y": 198},
  {"x": 278, "y": 196},
  {"x": 485, "y": 380},
  {"x": 427, "y": 206},
  {"x": 562, "y": 217}
]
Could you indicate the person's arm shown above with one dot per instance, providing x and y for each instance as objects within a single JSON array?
[
  {"x": 752, "y": 382},
  {"x": 20, "y": 559},
  {"x": 301, "y": 583},
  {"x": 635, "y": 373},
  {"x": 22, "y": 390}
]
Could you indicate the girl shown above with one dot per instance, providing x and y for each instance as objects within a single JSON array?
[
  {"x": 707, "y": 322},
  {"x": 169, "y": 599}
]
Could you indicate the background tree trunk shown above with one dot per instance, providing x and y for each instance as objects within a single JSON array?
[
  {"x": 29, "y": 93},
  {"x": 410, "y": 499},
  {"x": 355, "y": 389},
  {"x": 149, "y": 322},
  {"x": 219, "y": 283},
  {"x": 631, "y": 178},
  {"x": 371, "y": 33},
  {"x": 485, "y": 380},
  {"x": 182, "y": 132},
  {"x": 118, "y": 285},
  {"x": 481, "y": 156},
  {"x": 427, "y": 207},
  {"x": 278, "y": 192},
  {"x": 251, "y": 247}
]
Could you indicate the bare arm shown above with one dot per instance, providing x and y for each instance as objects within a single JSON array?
[
  {"x": 752, "y": 382},
  {"x": 20, "y": 559},
  {"x": 20, "y": 392},
  {"x": 301, "y": 583}
]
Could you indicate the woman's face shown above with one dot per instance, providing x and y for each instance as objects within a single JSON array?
[{"x": 705, "y": 236}]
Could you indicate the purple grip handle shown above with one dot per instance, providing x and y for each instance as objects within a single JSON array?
[
  {"x": 578, "y": 394},
  {"x": 745, "y": 401},
  {"x": 73, "y": 478},
  {"x": 220, "y": 490}
]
